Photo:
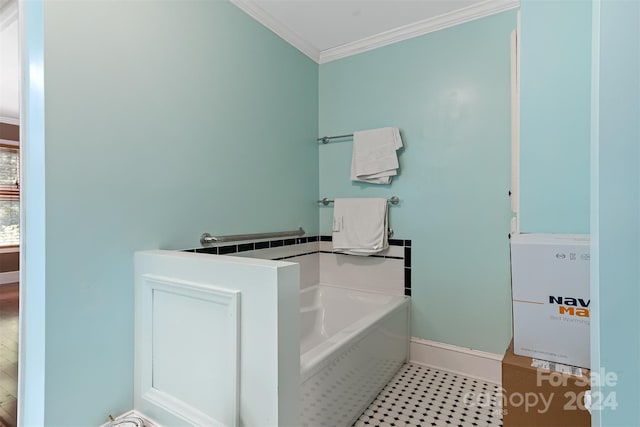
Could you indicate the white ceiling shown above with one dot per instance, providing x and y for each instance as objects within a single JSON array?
[
  {"x": 324, "y": 30},
  {"x": 328, "y": 24}
]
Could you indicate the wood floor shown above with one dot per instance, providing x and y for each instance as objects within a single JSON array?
[{"x": 8, "y": 355}]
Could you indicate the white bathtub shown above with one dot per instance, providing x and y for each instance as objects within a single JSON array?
[{"x": 351, "y": 344}]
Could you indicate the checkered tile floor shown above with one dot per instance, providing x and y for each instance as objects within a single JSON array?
[{"x": 421, "y": 396}]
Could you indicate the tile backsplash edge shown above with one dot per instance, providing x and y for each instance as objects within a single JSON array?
[{"x": 229, "y": 249}]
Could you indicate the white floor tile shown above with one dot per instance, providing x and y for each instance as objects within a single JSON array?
[{"x": 421, "y": 396}]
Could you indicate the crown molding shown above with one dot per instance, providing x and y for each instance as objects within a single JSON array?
[
  {"x": 253, "y": 9},
  {"x": 456, "y": 17}
]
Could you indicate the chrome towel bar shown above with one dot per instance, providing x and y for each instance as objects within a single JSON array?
[
  {"x": 207, "y": 238},
  {"x": 326, "y": 139},
  {"x": 393, "y": 200}
]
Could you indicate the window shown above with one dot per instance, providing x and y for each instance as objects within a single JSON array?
[{"x": 9, "y": 194}]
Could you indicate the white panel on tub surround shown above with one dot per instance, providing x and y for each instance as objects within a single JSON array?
[
  {"x": 269, "y": 355},
  {"x": 205, "y": 339},
  {"x": 375, "y": 274}
]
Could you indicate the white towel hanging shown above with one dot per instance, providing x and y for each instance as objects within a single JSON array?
[
  {"x": 360, "y": 226},
  {"x": 374, "y": 159}
]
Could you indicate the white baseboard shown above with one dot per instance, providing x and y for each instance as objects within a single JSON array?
[
  {"x": 9, "y": 277},
  {"x": 459, "y": 360}
]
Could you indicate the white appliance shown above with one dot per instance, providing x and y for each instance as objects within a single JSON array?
[{"x": 550, "y": 292}]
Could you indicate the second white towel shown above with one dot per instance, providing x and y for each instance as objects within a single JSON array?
[
  {"x": 374, "y": 158},
  {"x": 360, "y": 226}
]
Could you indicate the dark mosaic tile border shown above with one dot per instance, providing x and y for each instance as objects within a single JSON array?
[
  {"x": 253, "y": 246},
  {"x": 244, "y": 247}
]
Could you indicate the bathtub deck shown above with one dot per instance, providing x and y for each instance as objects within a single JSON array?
[{"x": 423, "y": 396}]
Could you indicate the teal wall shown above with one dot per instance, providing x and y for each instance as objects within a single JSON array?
[
  {"x": 615, "y": 339},
  {"x": 167, "y": 119},
  {"x": 163, "y": 120},
  {"x": 449, "y": 93},
  {"x": 555, "y": 116}
]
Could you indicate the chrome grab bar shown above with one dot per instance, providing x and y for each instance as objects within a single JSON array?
[
  {"x": 393, "y": 200},
  {"x": 207, "y": 238}
]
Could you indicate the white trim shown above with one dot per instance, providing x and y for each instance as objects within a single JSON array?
[
  {"x": 9, "y": 277},
  {"x": 518, "y": 80},
  {"x": 456, "y": 17},
  {"x": 9, "y": 250},
  {"x": 594, "y": 264},
  {"x": 515, "y": 129},
  {"x": 459, "y": 360},
  {"x": 254, "y": 10}
]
